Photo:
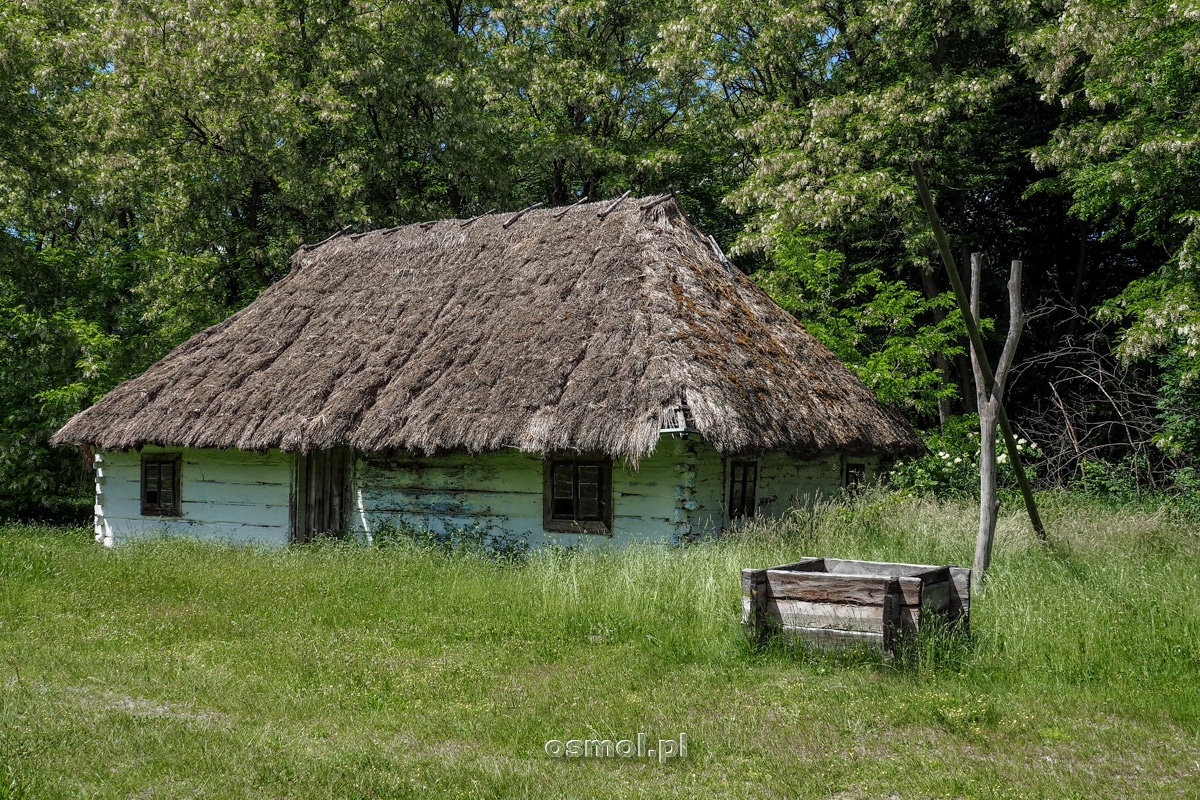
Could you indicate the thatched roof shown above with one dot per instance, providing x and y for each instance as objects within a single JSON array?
[{"x": 559, "y": 329}]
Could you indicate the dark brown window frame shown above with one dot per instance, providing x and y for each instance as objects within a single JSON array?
[
  {"x": 558, "y": 523},
  {"x": 158, "y": 509},
  {"x": 747, "y": 507},
  {"x": 858, "y": 468}
]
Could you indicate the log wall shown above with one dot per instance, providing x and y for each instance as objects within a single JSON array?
[{"x": 225, "y": 494}]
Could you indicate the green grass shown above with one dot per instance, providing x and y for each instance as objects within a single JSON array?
[{"x": 177, "y": 669}]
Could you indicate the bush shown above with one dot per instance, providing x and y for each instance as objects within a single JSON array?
[
  {"x": 476, "y": 540},
  {"x": 1131, "y": 480},
  {"x": 950, "y": 468}
]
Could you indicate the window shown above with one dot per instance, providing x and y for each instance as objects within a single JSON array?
[
  {"x": 577, "y": 495},
  {"x": 160, "y": 485},
  {"x": 855, "y": 478},
  {"x": 743, "y": 488}
]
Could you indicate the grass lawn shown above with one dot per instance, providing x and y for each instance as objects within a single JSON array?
[{"x": 176, "y": 669}]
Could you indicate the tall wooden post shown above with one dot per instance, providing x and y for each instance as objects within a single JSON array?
[
  {"x": 989, "y": 403},
  {"x": 964, "y": 305}
]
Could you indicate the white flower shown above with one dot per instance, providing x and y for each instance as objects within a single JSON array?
[
  {"x": 1021, "y": 441},
  {"x": 958, "y": 460},
  {"x": 1002, "y": 458}
]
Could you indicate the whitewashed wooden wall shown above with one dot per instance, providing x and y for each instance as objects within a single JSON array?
[
  {"x": 783, "y": 482},
  {"x": 229, "y": 495},
  {"x": 680, "y": 491},
  {"x": 502, "y": 492}
]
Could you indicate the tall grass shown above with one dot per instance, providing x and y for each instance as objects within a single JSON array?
[{"x": 176, "y": 668}]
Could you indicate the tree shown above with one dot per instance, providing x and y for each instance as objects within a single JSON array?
[
  {"x": 830, "y": 100},
  {"x": 883, "y": 330},
  {"x": 1127, "y": 153},
  {"x": 989, "y": 400}
]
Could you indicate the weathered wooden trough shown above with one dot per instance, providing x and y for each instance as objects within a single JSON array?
[{"x": 832, "y": 602}]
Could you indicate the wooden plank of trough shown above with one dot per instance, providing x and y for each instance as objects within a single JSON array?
[
  {"x": 891, "y": 616},
  {"x": 826, "y": 616},
  {"x": 935, "y": 597},
  {"x": 818, "y": 587},
  {"x": 828, "y": 638},
  {"x": 909, "y": 589},
  {"x": 748, "y": 579},
  {"x": 959, "y": 606},
  {"x": 755, "y": 615},
  {"x": 845, "y": 566},
  {"x": 805, "y": 564}
]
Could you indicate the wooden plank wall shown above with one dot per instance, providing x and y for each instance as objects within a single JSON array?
[
  {"x": 229, "y": 495},
  {"x": 502, "y": 492},
  {"x": 711, "y": 492},
  {"x": 784, "y": 482}
]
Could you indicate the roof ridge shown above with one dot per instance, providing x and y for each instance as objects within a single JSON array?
[{"x": 649, "y": 202}]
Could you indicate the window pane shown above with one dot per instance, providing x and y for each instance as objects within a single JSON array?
[
  {"x": 151, "y": 478},
  {"x": 589, "y": 501},
  {"x": 564, "y": 508},
  {"x": 589, "y": 491},
  {"x": 563, "y": 478},
  {"x": 589, "y": 474},
  {"x": 166, "y": 486}
]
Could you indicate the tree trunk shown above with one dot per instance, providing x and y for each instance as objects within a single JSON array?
[
  {"x": 989, "y": 505},
  {"x": 988, "y": 399},
  {"x": 930, "y": 290}
]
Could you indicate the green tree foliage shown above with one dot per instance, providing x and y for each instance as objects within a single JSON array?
[
  {"x": 831, "y": 101},
  {"x": 1127, "y": 153},
  {"x": 160, "y": 161},
  {"x": 882, "y": 329}
]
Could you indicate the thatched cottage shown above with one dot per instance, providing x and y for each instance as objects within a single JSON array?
[{"x": 596, "y": 372}]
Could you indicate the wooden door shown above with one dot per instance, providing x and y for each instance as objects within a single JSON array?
[{"x": 321, "y": 494}]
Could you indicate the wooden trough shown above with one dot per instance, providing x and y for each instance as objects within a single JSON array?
[{"x": 832, "y": 602}]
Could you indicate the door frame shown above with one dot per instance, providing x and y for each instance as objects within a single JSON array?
[{"x": 321, "y": 496}]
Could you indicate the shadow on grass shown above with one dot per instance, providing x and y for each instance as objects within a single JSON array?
[{"x": 939, "y": 647}]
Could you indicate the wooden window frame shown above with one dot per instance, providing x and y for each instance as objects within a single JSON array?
[
  {"x": 159, "y": 510},
  {"x": 858, "y": 468},
  {"x": 732, "y": 512},
  {"x": 560, "y": 524}
]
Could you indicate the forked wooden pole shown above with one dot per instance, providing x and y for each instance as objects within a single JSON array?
[{"x": 964, "y": 305}]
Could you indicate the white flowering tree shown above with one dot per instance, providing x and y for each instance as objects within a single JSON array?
[{"x": 1127, "y": 154}]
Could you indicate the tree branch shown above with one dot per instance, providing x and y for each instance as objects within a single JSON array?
[{"x": 1016, "y": 322}]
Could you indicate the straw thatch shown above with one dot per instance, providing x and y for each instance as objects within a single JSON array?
[{"x": 552, "y": 331}]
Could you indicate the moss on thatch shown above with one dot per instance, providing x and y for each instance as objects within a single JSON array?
[{"x": 561, "y": 331}]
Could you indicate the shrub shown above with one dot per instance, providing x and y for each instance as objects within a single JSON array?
[{"x": 950, "y": 468}]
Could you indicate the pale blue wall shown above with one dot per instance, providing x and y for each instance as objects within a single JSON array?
[
  {"x": 225, "y": 494},
  {"x": 680, "y": 491}
]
